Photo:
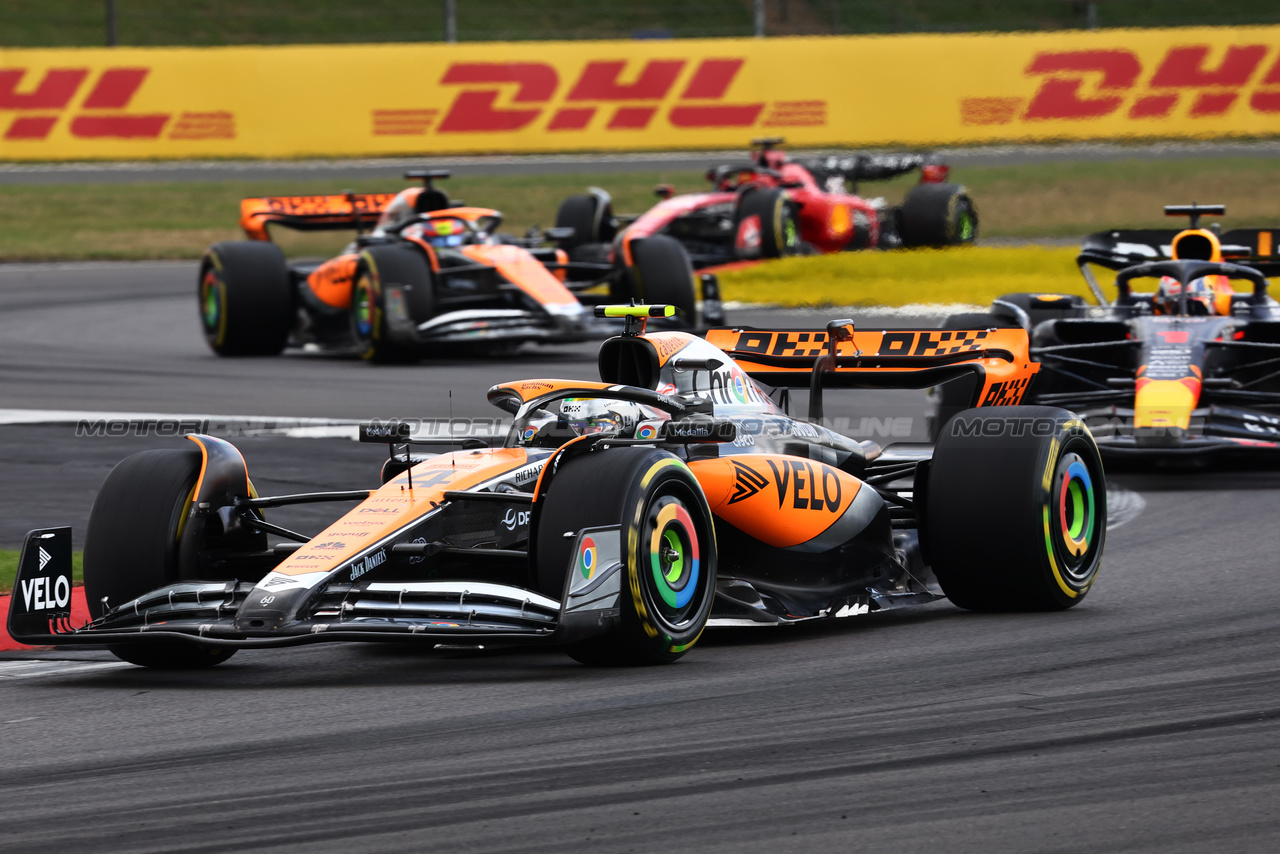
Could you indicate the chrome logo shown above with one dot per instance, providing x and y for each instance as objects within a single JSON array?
[
  {"x": 587, "y": 558},
  {"x": 646, "y": 431}
]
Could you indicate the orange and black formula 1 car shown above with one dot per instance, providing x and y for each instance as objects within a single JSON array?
[
  {"x": 1187, "y": 371},
  {"x": 431, "y": 273},
  {"x": 770, "y": 206},
  {"x": 621, "y": 516}
]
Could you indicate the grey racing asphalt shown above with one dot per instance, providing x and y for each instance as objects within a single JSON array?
[{"x": 1146, "y": 719}]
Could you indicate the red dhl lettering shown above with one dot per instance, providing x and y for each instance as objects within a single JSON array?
[
  {"x": 632, "y": 100},
  {"x": 42, "y": 101},
  {"x": 1090, "y": 84}
]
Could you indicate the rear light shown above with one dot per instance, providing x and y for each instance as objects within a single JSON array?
[{"x": 934, "y": 173}]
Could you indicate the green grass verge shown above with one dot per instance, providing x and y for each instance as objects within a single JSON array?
[
  {"x": 9, "y": 569},
  {"x": 30, "y": 23},
  {"x": 971, "y": 274},
  {"x": 178, "y": 220}
]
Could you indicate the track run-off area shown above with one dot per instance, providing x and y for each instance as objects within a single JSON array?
[{"x": 1146, "y": 719}]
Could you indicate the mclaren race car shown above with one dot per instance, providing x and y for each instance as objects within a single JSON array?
[
  {"x": 1188, "y": 369},
  {"x": 617, "y": 520},
  {"x": 770, "y": 206},
  {"x": 431, "y": 272}
]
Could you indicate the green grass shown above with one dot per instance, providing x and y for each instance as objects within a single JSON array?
[
  {"x": 972, "y": 274},
  {"x": 44, "y": 23},
  {"x": 145, "y": 220},
  {"x": 9, "y": 568}
]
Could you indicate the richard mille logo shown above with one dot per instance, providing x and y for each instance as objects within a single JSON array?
[{"x": 747, "y": 483}]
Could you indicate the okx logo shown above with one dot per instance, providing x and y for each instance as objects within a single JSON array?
[
  {"x": 1197, "y": 81},
  {"x": 606, "y": 94},
  {"x": 95, "y": 105}
]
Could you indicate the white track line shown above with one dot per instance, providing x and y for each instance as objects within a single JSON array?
[{"x": 35, "y": 668}]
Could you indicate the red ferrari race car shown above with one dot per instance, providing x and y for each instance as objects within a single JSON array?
[
  {"x": 770, "y": 206},
  {"x": 431, "y": 273}
]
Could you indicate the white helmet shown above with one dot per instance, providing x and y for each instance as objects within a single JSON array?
[{"x": 589, "y": 415}]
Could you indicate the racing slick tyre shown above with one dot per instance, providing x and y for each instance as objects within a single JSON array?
[
  {"x": 131, "y": 547},
  {"x": 957, "y": 395},
  {"x": 246, "y": 299},
  {"x": 392, "y": 293},
  {"x": 1041, "y": 307},
  {"x": 591, "y": 219},
  {"x": 668, "y": 574},
  {"x": 937, "y": 215},
  {"x": 663, "y": 275},
  {"x": 775, "y": 224},
  {"x": 1015, "y": 509}
]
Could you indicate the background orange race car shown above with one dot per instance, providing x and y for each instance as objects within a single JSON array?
[{"x": 431, "y": 272}]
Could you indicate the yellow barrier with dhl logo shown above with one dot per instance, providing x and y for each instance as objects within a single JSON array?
[{"x": 637, "y": 95}]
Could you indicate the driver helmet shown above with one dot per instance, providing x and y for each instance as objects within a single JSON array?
[
  {"x": 444, "y": 233},
  {"x": 587, "y": 416},
  {"x": 1200, "y": 295}
]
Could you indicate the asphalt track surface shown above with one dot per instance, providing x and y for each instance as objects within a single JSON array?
[
  {"x": 542, "y": 164},
  {"x": 1143, "y": 720}
]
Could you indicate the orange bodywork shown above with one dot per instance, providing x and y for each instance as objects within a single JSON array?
[
  {"x": 793, "y": 501},
  {"x": 527, "y": 390},
  {"x": 395, "y": 505},
  {"x": 523, "y": 270},
  {"x": 1004, "y": 354},
  {"x": 333, "y": 280}
]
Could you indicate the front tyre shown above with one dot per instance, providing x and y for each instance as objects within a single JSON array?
[
  {"x": 246, "y": 298},
  {"x": 766, "y": 225},
  {"x": 662, "y": 274},
  {"x": 668, "y": 551},
  {"x": 392, "y": 293},
  {"x": 131, "y": 547},
  {"x": 1016, "y": 509}
]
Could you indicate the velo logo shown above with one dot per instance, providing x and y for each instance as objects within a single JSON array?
[
  {"x": 502, "y": 97},
  {"x": 1198, "y": 81},
  {"x": 40, "y": 101}
]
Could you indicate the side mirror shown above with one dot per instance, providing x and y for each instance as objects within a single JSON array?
[{"x": 664, "y": 191}]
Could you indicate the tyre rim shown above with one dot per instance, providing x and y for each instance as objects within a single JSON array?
[
  {"x": 967, "y": 226},
  {"x": 674, "y": 560},
  {"x": 362, "y": 309},
  {"x": 1071, "y": 530},
  {"x": 789, "y": 233},
  {"x": 211, "y": 300}
]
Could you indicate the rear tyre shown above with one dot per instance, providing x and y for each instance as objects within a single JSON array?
[
  {"x": 957, "y": 395},
  {"x": 769, "y": 211},
  {"x": 1016, "y": 509},
  {"x": 662, "y": 274},
  {"x": 591, "y": 219},
  {"x": 668, "y": 552},
  {"x": 246, "y": 298},
  {"x": 131, "y": 547},
  {"x": 938, "y": 215},
  {"x": 391, "y": 295}
]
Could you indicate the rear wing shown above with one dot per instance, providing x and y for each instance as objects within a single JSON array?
[
  {"x": 1253, "y": 247},
  {"x": 336, "y": 212},
  {"x": 842, "y": 357}
]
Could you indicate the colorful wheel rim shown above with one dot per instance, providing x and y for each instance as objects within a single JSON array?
[
  {"x": 674, "y": 559},
  {"x": 211, "y": 300},
  {"x": 362, "y": 308},
  {"x": 1074, "y": 508}
]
